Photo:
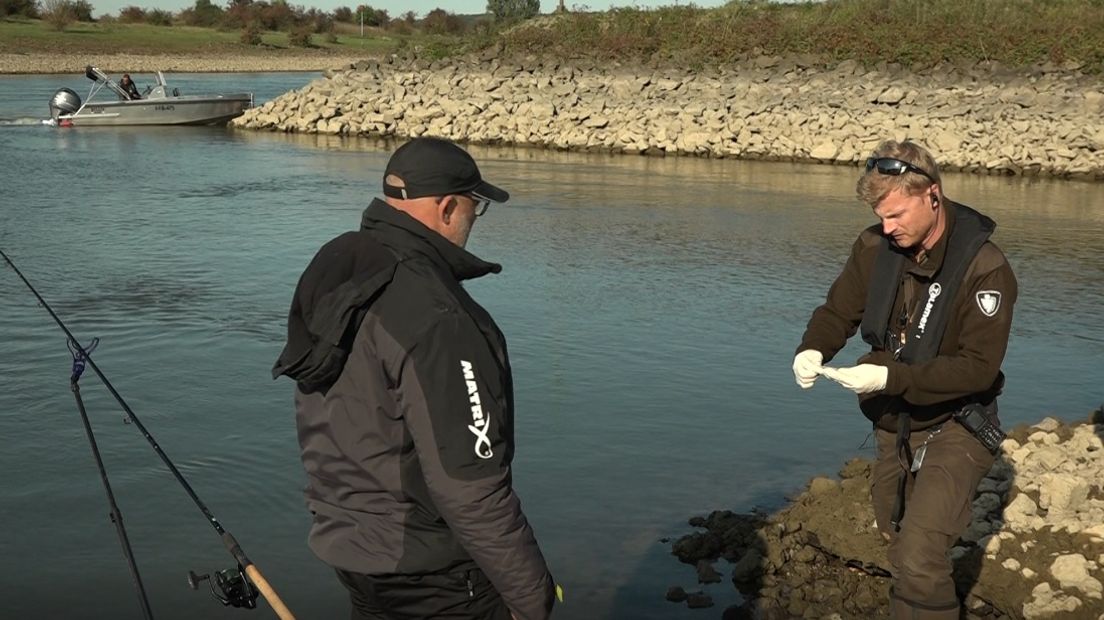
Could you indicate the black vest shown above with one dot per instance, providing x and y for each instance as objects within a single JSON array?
[{"x": 971, "y": 231}]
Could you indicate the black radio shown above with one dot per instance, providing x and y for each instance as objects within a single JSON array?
[{"x": 977, "y": 420}]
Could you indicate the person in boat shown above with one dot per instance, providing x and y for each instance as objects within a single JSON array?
[
  {"x": 404, "y": 406},
  {"x": 933, "y": 297},
  {"x": 129, "y": 86}
]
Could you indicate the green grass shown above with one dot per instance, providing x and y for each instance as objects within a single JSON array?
[
  {"x": 1015, "y": 33},
  {"x": 97, "y": 38},
  {"x": 913, "y": 32}
]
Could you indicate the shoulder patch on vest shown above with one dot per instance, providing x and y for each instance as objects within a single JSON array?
[{"x": 988, "y": 302}]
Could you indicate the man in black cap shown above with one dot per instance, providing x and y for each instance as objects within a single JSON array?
[{"x": 404, "y": 406}]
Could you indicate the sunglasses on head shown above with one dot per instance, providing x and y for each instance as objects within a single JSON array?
[{"x": 894, "y": 167}]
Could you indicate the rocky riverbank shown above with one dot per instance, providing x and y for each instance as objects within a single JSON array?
[
  {"x": 1043, "y": 121},
  {"x": 281, "y": 60},
  {"x": 1034, "y": 550}
]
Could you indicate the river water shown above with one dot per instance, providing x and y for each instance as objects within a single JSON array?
[{"x": 651, "y": 306}]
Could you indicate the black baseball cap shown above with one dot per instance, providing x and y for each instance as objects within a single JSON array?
[{"x": 436, "y": 167}]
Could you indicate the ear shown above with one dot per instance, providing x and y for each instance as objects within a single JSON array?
[
  {"x": 934, "y": 196},
  {"x": 446, "y": 208}
]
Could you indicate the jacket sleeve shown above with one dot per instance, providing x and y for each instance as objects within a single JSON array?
[
  {"x": 982, "y": 343},
  {"x": 454, "y": 403},
  {"x": 837, "y": 319}
]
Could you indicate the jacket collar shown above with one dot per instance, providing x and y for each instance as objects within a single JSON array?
[
  {"x": 408, "y": 235},
  {"x": 933, "y": 260}
]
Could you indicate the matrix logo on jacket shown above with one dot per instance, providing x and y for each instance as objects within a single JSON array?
[{"x": 481, "y": 424}]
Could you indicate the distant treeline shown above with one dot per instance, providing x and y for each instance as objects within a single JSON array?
[
  {"x": 263, "y": 15},
  {"x": 1013, "y": 33}
]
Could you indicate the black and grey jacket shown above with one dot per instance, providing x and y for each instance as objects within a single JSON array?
[{"x": 405, "y": 412}]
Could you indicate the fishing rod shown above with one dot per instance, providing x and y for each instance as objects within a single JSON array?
[
  {"x": 238, "y": 587},
  {"x": 79, "y": 359}
]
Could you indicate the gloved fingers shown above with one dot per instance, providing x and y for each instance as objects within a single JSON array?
[
  {"x": 806, "y": 367},
  {"x": 840, "y": 376},
  {"x": 860, "y": 379}
]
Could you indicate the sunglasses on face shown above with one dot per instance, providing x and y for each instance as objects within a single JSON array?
[
  {"x": 894, "y": 167},
  {"x": 481, "y": 204}
]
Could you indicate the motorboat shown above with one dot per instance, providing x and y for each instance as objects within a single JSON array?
[{"x": 157, "y": 106}]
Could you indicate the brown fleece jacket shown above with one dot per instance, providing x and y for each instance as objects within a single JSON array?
[{"x": 973, "y": 345}]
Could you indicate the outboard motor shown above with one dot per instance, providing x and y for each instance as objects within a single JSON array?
[{"x": 64, "y": 101}]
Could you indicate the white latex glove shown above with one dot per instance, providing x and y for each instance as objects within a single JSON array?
[
  {"x": 807, "y": 366},
  {"x": 861, "y": 379}
]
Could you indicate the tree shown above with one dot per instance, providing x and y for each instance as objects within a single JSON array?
[
  {"x": 159, "y": 17},
  {"x": 251, "y": 35},
  {"x": 439, "y": 21},
  {"x": 132, "y": 15},
  {"x": 203, "y": 13},
  {"x": 511, "y": 10},
  {"x": 343, "y": 14},
  {"x": 21, "y": 8},
  {"x": 399, "y": 26},
  {"x": 82, "y": 10},
  {"x": 58, "y": 13},
  {"x": 300, "y": 37},
  {"x": 372, "y": 17},
  {"x": 318, "y": 21},
  {"x": 276, "y": 16}
]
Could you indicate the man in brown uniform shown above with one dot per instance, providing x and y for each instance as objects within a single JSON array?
[{"x": 933, "y": 297}]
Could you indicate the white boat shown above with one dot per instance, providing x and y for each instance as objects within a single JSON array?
[{"x": 157, "y": 106}]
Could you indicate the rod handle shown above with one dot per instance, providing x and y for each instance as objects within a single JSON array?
[{"x": 270, "y": 595}]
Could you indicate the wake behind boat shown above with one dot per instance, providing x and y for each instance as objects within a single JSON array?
[{"x": 157, "y": 106}]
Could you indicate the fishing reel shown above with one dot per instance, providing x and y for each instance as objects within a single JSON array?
[{"x": 231, "y": 587}]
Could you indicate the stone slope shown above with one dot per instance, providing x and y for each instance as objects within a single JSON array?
[
  {"x": 1034, "y": 549},
  {"x": 1047, "y": 121}
]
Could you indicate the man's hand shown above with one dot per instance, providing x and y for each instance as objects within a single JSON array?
[
  {"x": 861, "y": 379},
  {"x": 806, "y": 367}
]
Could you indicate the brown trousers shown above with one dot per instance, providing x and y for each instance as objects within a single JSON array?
[{"x": 937, "y": 510}]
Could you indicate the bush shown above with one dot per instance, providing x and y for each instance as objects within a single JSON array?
[
  {"x": 20, "y": 8},
  {"x": 251, "y": 35},
  {"x": 399, "y": 26},
  {"x": 277, "y": 16},
  {"x": 331, "y": 37},
  {"x": 202, "y": 14},
  {"x": 374, "y": 17},
  {"x": 1014, "y": 33},
  {"x": 58, "y": 13},
  {"x": 511, "y": 10},
  {"x": 439, "y": 21},
  {"x": 317, "y": 21},
  {"x": 300, "y": 37},
  {"x": 238, "y": 15},
  {"x": 82, "y": 10},
  {"x": 132, "y": 15},
  {"x": 159, "y": 17}
]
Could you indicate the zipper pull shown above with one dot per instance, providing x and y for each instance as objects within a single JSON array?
[{"x": 471, "y": 590}]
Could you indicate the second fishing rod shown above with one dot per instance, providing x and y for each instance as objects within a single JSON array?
[{"x": 224, "y": 581}]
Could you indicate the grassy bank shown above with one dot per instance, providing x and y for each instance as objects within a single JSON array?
[
  {"x": 1015, "y": 33},
  {"x": 19, "y": 36}
]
